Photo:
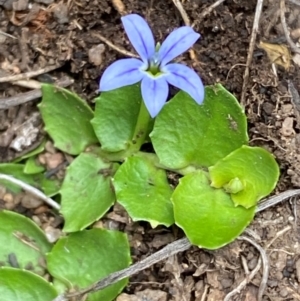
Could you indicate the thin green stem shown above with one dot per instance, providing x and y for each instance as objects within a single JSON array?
[{"x": 141, "y": 130}]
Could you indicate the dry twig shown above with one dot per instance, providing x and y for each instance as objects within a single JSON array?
[
  {"x": 11, "y": 78},
  {"x": 187, "y": 22},
  {"x": 119, "y": 6},
  {"x": 208, "y": 10},
  {"x": 285, "y": 29},
  {"x": 249, "y": 277},
  {"x": 265, "y": 263},
  {"x": 111, "y": 45},
  {"x": 278, "y": 234},
  {"x": 171, "y": 249},
  {"x": 272, "y": 201},
  {"x": 30, "y": 84},
  {"x": 295, "y": 98},
  {"x": 264, "y": 259},
  {"x": 31, "y": 190},
  {"x": 7, "y": 34},
  {"x": 182, "y": 12},
  {"x": 19, "y": 99},
  {"x": 258, "y": 11}
]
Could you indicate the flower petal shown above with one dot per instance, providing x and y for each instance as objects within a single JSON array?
[
  {"x": 121, "y": 73},
  {"x": 177, "y": 42},
  {"x": 154, "y": 92},
  {"x": 140, "y": 35},
  {"x": 185, "y": 79}
]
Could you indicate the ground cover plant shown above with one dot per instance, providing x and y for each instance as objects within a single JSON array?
[
  {"x": 200, "y": 134},
  {"x": 173, "y": 154}
]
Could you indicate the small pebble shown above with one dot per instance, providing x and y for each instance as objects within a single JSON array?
[
  {"x": 283, "y": 292},
  {"x": 41, "y": 209},
  {"x": 61, "y": 13},
  {"x": 49, "y": 147},
  {"x": 36, "y": 220},
  {"x": 96, "y": 54},
  {"x": 252, "y": 263},
  {"x": 8, "y": 198},
  {"x": 53, "y": 160},
  {"x": 18, "y": 198},
  {"x": 30, "y": 202},
  {"x": 10, "y": 205},
  {"x": 279, "y": 275},
  {"x": 52, "y": 234},
  {"x": 42, "y": 159},
  {"x": 226, "y": 283}
]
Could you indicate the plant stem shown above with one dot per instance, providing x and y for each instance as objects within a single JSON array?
[{"x": 141, "y": 130}]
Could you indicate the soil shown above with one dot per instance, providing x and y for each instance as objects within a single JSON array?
[{"x": 48, "y": 32}]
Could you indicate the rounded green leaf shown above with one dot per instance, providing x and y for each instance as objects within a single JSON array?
[
  {"x": 207, "y": 215},
  {"x": 83, "y": 258},
  {"x": 186, "y": 133},
  {"x": 86, "y": 192},
  {"x": 254, "y": 167},
  {"x": 23, "y": 244},
  {"x": 143, "y": 190},
  {"x": 20, "y": 285},
  {"x": 67, "y": 119},
  {"x": 116, "y": 116}
]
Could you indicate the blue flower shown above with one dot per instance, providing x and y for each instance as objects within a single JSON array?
[{"x": 154, "y": 70}]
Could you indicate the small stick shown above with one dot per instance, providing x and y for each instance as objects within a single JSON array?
[
  {"x": 171, "y": 249},
  {"x": 111, "y": 45},
  {"x": 19, "y": 99},
  {"x": 31, "y": 190},
  {"x": 258, "y": 11},
  {"x": 270, "y": 202},
  {"x": 278, "y": 234},
  {"x": 203, "y": 297},
  {"x": 30, "y": 83},
  {"x": 7, "y": 35},
  {"x": 295, "y": 100},
  {"x": 266, "y": 266},
  {"x": 29, "y": 74},
  {"x": 249, "y": 277},
  {"x": 245, "y": 266},
  {"x": 208, "y": 10},
  {"x": 119, "y": 6},
  {"x": 187, "y": 22},
  {"x": 182, "y": 12},
  {"x": 285, "y": 29}
]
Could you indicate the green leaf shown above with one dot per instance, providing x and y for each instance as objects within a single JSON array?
[
  {"x": 254, "y": 167},
  {"x": 19, "y": 285},
  {"x": 86, "y": 192},
  {"x": 207, "y": 215},
  {"x": 67, "y": 119},
  {"x": 116, "y": 116},
  {"x": 186, "y": 133},
  {"x": 23, "y": 244},
  {"x": 144, "y": 191},
  {"x": 31, "y": 166},
  {"x": 83, "y": 258},
  {"x": 50, "y": 187}
]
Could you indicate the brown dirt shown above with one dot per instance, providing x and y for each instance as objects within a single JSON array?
[{"x": 64, "y": 33}]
